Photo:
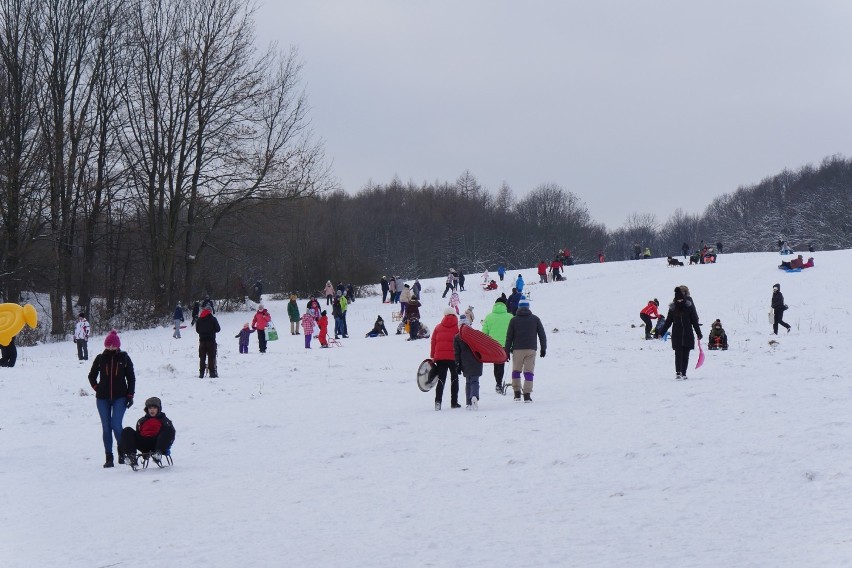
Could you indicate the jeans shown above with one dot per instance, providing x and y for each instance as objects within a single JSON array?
[
  {"x": 82, "y": 350},
  {"x": 471, "y": 388},
  {"x": 112, "y": 414}
]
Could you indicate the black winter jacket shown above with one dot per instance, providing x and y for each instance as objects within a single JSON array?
[
  {"x": 207, "y": 327},
  {"x": 682, "y": 319},
  {"x": 523, "y": 330},
  {"x": 778, "y": 301},
  {"x": 117, "y": 379}
]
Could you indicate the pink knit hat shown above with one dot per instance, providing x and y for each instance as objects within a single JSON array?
[{"x": 112, "y": 340}]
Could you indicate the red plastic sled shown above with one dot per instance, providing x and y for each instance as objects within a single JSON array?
[
  {"x": 486, "y": 349},
  {"x": 700, "y": 356}
]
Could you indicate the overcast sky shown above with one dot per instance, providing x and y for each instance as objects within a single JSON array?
[{"x": 635, "y": 106}]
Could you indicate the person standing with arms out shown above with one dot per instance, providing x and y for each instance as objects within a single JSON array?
[
  {"x": 207, "y": 327},
  {"x": 495, "y": 325},
  {"x": 683, "y": 319},
  {"x": 178, "y": 319},
  {"x": 778, "y": 307},
  {"x": 293, "y": 314},
  {"x": 114, "y": 382},
  {"x": 259, "y": 322},
  {"x": 523, "y": 335},
  {"x": 648, "y": 313},
  {"x": 81, "y": 337}
]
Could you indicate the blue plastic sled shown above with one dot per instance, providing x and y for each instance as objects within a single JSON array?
[{"x": 791, "y": 269}]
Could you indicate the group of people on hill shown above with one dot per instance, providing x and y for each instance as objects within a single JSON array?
[
  {"x": 682, "y": 319},
  {"x": 522, "y": 336}
]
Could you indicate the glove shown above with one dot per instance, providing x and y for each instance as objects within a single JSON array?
[
  {"x": 700, "y": 337},
  {"x": 542, "y": 353},
  {"x": 129, "y": 401}
]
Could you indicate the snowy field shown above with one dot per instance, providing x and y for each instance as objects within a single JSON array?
[{"x": 333, "y": 457}]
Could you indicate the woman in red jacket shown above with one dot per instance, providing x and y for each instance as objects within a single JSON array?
[
  {"x": 648, "y": 313},
  {"x": 444, "y": 355}
]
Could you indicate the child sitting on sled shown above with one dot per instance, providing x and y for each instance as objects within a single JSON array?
[
  {"x": 718, "y": 339},
  {"x": 154, "y": 434}
]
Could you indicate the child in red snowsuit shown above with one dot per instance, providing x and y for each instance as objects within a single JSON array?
[{"x": 323, "y": 329}]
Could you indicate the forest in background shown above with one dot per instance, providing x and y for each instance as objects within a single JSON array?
[{"x": 150, "y": 154}]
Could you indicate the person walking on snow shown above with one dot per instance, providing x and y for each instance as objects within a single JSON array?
[
  {"x": 649, "y": 313},
  {"x": 455, "y": 301},
  {"x": 778, "y": 307},
  {"x": 468, "y": 365},
  {"x": 81, "y": 337},
  {"x": 523, "y": 336},
  {"x": 385, "y": 289},
  {"x": 682, "y": 319},
  {"x": 449, "y": 284},
  {"x": 519, "y": 284},
  {"x": 177, "y": 317},
  {"x": 542, "y": 272},
  {"x": 495, "y": 325},
  {"x": 443, "y": 353},
  {"x": 114, "y": 382}
]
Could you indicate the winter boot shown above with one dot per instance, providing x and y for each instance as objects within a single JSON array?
[
  {"x": 517, "y": 396},
  {"x": 214, "y": 373},
  {"x": 109, "y": 461},
  {"x": 527, "y": 397}
]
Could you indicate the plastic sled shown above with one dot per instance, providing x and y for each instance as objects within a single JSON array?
[
  {"x": 426, "y": 379},
  {"x": 486, "y": 349},
  {"x": 144, "y": 459}
]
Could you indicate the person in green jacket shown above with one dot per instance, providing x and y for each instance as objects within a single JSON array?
[
  {"x": 293, "y": 313},
  {"x": 344, "y": 305},
  {"x": 495, "y": 326}
]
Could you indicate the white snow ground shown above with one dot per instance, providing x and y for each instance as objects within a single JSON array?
[{"x": 335, "y": 458}]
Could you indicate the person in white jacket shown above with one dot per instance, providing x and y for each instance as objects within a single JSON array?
[{"x": 81, "y": 337}]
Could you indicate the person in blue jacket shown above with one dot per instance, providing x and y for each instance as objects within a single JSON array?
[{"x": 519, "y": 284}]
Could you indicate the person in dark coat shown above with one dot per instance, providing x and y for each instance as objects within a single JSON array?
[
  {"x": 682, "y": 319},
  {"x": 207, "y": 327},
  {"x": 196, "y": 308},
  {"x": 114, "y": 382},
  {"x": 513, "y": 300},
  {"x": 208, "y": 304},
  {"x": 384, "y": 284},
  {"x": 468, "y": 365},
  {"x": 523, "y": 336},
  {"x": 685, "y": 249},
  {"x": 177, "y": 318},
  {"x": 412, "y": 316},
  {"x": 154, "y": 434},
  {"x": 778, "y": 307},
  {"x": 8, "y": 354},
  {"x": 379, "y": 329}
]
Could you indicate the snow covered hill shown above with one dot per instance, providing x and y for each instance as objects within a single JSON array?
[{"x": 333, "y": 457}]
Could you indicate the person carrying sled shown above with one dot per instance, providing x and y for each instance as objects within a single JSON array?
[
  {"x": 154, "y": 434},
  {"x": 114, "y": 382},
  {"x": 523, "y": 336},
  {"x": 682, "y": 319},
  {"x": 322, "y": 334},
  {"x": 778, "y": 308},
  {"x": 717, "y": 339},
  {"x": 443, "y": 354},
  {"x": 649, "y": 313},
  {"x": 468, "y": 365}
]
